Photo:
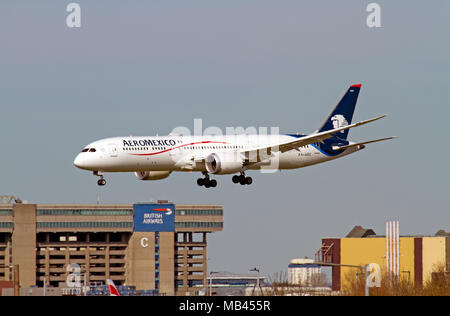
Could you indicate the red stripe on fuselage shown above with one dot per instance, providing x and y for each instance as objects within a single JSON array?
[{"x": 163, "y": 151}]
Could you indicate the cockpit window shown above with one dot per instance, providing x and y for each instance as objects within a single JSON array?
[
  {"x": 92, "y": 150},
  {"x": 85, "y": 150}
]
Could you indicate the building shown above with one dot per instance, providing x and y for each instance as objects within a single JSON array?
[
  {"x": 411, "y": 258},
  {"x": 304, "y": 272},
  {"x": 232, "y": 284},
  {"x": 159, "y": 247}
]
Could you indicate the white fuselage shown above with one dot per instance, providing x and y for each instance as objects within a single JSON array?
[{"x": 187, "y": 153}]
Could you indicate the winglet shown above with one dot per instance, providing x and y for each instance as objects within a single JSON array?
[
  {"x": 356, "y": 86},
  {"x": 369, "y": 120}
]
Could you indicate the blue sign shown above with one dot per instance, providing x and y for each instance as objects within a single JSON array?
[{"x": 154, "y": 217}]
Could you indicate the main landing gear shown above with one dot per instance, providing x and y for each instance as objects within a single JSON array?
[
  {"x": 101, "y": 181},
  {"x": 208, "y": 183},
  {"x": 242, "y": 179}
]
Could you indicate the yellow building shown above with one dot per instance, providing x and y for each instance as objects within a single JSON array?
[{"x": 418, "y": 256}]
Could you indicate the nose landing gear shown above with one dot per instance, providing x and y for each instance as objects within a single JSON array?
[{"x": 101, "y": 181}]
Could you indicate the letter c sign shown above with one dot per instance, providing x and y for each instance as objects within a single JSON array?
[{"x": 144, "y": 242}]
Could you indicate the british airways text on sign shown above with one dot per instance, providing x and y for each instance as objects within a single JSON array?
[
  {"x": 149, "y": 142},
  {"x": 154, "y": 217}
]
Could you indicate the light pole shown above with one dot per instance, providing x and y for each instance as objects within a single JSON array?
[
  {"x": 210, "y": 281},
  {"x": 257, "y": 281}
]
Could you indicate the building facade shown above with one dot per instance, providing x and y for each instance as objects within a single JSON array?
[
  {"x": 418, "y": 257},
  {"x": 232, "y": 284},
  {"x": 303, "y": 272},
  {"x": 160, "y": 246}
]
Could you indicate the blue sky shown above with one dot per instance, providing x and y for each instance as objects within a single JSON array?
[{"x": 144, "y": 68}]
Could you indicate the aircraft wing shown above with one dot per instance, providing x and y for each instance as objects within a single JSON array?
[
  {"x": 253, "y": 155},
  {"x": 362, "y": 143}
]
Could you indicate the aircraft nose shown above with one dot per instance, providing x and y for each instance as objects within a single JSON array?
[{"x": 79, "y": 161}]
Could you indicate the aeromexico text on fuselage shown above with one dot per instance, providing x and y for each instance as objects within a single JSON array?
[
  {"x": 149, "y": 142},
  {"x": 325, "y": 149}
]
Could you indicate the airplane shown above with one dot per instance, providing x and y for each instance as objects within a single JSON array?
[
  {"x": 112, "y": 288},
  {"x": 156, "y": 157}
]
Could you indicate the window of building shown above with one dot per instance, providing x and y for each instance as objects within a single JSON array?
[
  {"x": 84, "y": 224},
  {"x": 84, "y": 212},
  {"x": 200, "y": 212},
  {"x": 5, "y": 212}
]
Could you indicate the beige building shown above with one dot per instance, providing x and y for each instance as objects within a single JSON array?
[{"x": 49, "y": 241}]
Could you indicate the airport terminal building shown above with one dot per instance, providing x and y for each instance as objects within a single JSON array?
[{"x": 160, "y": 247}]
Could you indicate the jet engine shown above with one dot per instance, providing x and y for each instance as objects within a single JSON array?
[
  {"x": 224, "y": 163},
  {"x": 152, "y": 175}
]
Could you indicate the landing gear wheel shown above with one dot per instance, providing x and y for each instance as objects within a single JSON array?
[
  {"x": 206, "y": 181},
  {"x": 242, "y": 179},
  {"x": 101, "y": 181}
]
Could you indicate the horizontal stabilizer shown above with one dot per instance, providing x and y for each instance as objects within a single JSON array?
[{"x": 362, "y": 143}]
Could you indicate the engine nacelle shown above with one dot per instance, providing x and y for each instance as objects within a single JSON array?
[
  {"x": 152, "y": 175},
  {"x": 224, "y": 163}
]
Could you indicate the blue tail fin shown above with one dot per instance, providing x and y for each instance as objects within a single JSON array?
[{"x": 342, "y": 114}]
